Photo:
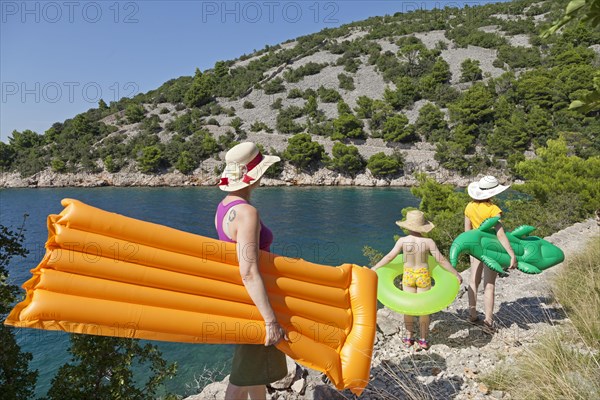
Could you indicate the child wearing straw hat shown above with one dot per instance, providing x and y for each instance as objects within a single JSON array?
[
  {"x": 416, "y": 277},
  {"x": 477, "y": 211},
  {"x": 238, "y": 221}
]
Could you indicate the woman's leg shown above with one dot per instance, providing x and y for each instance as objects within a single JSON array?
[
  {"x": 257, "y": 392},
  {"x": 474, "y": 280},
  {"x": 234, "y": 392},
  {"x": 489, "y": 286}
]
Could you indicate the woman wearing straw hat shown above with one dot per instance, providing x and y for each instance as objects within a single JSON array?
[
  {"x": 238, "y": 221},
  {"x": 416, "y": 278},
  {"x": 476, "y": 212}
]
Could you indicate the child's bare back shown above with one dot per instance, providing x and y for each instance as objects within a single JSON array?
[{"x": 416, "y": 251}]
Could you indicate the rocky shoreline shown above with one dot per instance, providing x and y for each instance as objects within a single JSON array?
[
  {"x": 460, "y": 353},
  {"x": 289, "y": 177}
]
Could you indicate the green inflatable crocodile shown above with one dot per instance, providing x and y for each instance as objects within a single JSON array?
[{"x": 533, "y": 253}]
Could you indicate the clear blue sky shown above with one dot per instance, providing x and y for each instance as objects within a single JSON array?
[{"x": 58, "y": 58}]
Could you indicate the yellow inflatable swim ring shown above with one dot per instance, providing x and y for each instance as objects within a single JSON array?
[{"x": 107, "y": 274}]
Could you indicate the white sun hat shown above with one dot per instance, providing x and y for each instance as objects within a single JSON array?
[
  {"x": 485, "y": 188},
  {"x": 244, "y": 165}
]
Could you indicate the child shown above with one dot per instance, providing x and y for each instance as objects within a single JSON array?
[
  {"x": 477, "y": 211},
  {"x": 416, "y": 278}
]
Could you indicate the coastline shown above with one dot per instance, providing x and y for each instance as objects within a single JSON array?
[{"x": 289, "y": 177}]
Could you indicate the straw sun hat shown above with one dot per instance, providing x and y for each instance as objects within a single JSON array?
[
  {"x": 485, "y": 188},
  {"x": 415, "y": 221},
  {"x": 244, "y": 166}
]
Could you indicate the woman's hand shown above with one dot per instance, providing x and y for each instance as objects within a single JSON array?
[{"x": 274, "y": 333}]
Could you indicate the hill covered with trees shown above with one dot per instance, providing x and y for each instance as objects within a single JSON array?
[{"x": 454, "y": 90}]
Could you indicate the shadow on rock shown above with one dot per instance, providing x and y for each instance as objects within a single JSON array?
[
  {"x": 455, "y": 330},
  {"x": 412, "y": 377},
  {"x": 529, "y": 310}
]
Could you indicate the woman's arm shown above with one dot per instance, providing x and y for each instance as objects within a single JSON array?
[
  {"x": 442, "y": 261},
  {"x": 501, "y": 235},
  {"x": 247, "y": 238},
  {"x": 397, "y": 249}
]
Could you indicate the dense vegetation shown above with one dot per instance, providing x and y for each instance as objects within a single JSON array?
[{"x": 482, "y": 122}]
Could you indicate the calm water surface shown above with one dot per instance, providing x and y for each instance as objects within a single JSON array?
[{"x": 323, "y": 225}]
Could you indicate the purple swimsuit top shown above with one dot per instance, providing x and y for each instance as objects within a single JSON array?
[{"x": 266, "y": 236}]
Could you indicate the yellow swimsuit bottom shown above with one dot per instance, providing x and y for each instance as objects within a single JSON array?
[{"x": 418, "y": 277}]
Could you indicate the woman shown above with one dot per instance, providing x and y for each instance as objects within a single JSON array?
[
  {"x": 476, "y": 212},
  {"x": 238, "y": 221}
]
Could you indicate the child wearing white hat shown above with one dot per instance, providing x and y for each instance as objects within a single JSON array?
[{"x": 477, "y": 211}]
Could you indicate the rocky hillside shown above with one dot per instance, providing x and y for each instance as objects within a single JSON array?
[
  {"x": 460, "y": 353},
  {"x": 452, "y": 93}
]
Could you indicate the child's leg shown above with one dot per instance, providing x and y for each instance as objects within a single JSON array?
[
  {"x": 474, "y": 280},
  {"x": 409, "y": 320},
  {"x": 489, "y": 286},
  {"x": 423, "y": 319}
]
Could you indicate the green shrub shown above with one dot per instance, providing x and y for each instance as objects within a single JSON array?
[
  {"x": 200, "y": 91},
  {"x": 111, "y": 164},
  {"x": 382, "y": 165},
  {"x": 134, "y": 113},
  {"x": 295, "y": 75},
  {"x": 405, "y": 94},
  {"x": 474, "y": 106},
  {"x": 151, "y": 124},
  {"x": 258, "y": 126},
  {"x": 328, "y": 95},
  {"x": 470, "y": 71},
  {"x": 519, "y": 57},
  {"x": 464, "y": 36},
  {"x": 248, "y": 105},
  {"x": 302, "y": 152},
  {"x": 431, "y": 124},
  {"x": 150, "y": 159},
  {"x": 347, "y": 126},
  {"x": 397, "y": 129},
  {"x": 274, "y": 86},
  {"x": 58, "y": 165},
  {"x": 185, "y": 162},
  {"x": 295, "y": 93},
  {"x": 185, "y": 124},
  {"x": 346, "y": 159},
  {"x": 364, "y": 107},
  {"x": 346, "y": 82},
  {"x": 555, "y": 172},
  {"x": 277, "y": 104},
  {"x": 285, "y": 120}
]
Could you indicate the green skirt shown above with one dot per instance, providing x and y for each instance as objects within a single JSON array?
[{"x": 256, "y": 364}]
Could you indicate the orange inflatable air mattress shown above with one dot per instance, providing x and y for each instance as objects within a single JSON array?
[{"x": 106, "y": 274}]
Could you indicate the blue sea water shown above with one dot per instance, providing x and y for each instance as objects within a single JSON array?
[{"x": 319, "y": 224}]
